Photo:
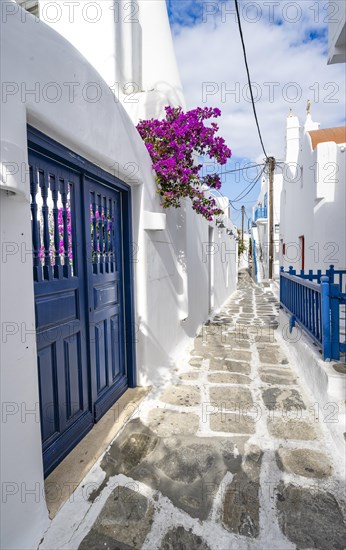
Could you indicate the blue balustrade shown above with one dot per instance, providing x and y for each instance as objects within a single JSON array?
[
  {"x": 314, "y": 301},
  {"x": 254, "y": 256},
  {"x": 261, "y": 212}
]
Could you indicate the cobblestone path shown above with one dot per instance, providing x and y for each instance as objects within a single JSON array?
[{"x": 231, "y": 455}]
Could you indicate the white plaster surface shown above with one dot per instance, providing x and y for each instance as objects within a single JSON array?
[
  {"x": 313, "y": 200},
  {"x": 172, "y": 281},
  {"x": 326, "y": 386},
  {"x": 130, "y": 45}
]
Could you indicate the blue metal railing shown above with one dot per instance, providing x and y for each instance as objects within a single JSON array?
[
  {"x": 261, "y": 212},
  {"x": 254, "y": 256},
  {"x": 335, "y": 276},
  {"x": 316, "y": 307}
]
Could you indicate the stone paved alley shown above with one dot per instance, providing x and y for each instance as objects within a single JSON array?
[{"x": 232, "y": 455}]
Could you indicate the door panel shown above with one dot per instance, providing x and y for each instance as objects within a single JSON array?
[
  {"x": 59, "y": 306},
  {"x": 47, "y": 368},
  {"x": 79, "y": 233},
  {"x": 104, "y": 255},
  {"x": 115, "y": 350}
]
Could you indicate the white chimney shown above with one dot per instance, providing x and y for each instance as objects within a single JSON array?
[{"x": 292, "y": 138}]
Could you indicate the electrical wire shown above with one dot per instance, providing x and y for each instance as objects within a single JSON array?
[
  {"x": 248, "y": 77},
  {"x": 247, "y": 187},
  {"x": 230, "y": 202},
  {"x": 240, "y": 198},
  {"x": 240, "y": 169},
  {"x": 236, "y": 209}
]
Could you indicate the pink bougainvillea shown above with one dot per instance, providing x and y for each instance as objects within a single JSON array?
[
  {"x": 52, "y": 252},
  {"x": 173, "y": 144}
]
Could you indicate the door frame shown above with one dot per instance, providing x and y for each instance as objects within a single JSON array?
[
  {"x": 302, "y": 251},
  {"x": 47, "y": 146}
]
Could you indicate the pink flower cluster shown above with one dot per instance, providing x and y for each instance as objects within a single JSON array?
[{"x": 173, "y": 144}]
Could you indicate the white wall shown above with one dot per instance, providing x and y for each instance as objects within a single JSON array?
[
  {"x": 32, "y": 56},
  {"x": 129, "y": 44},
  {"x": 337, "y": 32},
  {"x": 243, "y": 261},
  {"x": 177, "y": 265},
  {"x": 278, "y": 181},
  {"x": 171, "y": 278},
  {"x": 24, "y": 516},
  {"x": 313, "y": 204}
]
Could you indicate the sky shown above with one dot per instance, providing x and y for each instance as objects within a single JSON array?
[{"x": 287, "y": 46}]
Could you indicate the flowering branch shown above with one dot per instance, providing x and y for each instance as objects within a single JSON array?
[{"x": 172, "y": 144}]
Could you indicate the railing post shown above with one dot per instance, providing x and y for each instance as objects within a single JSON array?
[
  {"x": 325, "y": 307},
  {"x": 281, "y": 283},
  {"x": 254, "y": 252},
  {"x": 335, "y": 321},
  {"x": 331, "y": 274},
  {"x": 291, "y": 271}
]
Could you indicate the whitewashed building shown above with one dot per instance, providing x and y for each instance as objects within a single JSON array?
[
  {"x": 337, "y": 32},
  {"x": 260, "y": 232},
  {"x": 131, "y": 284},
  {"x": 313, "y": 222}
]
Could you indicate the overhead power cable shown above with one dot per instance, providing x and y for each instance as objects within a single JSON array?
[
  {"x": 240, "y": 169},
  {"x": 229, "y": 201},
  {"x": 248, "y": 77},
  {"x": 244, "y": 193},
  {"x": 242, "y": 196},
  {"x": 230, "y": 204},
  {"x": 249, "y": 185},
  {"x": 239, "y": 198}
]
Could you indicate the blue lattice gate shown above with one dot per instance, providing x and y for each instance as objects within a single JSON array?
[{"x": 81, "y": 259}]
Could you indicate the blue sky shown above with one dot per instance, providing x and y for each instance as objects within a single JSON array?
[
  {"x": 185, "y": 12},
  {"x": 287, "y": 55}
]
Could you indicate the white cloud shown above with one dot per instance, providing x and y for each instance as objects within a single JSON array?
[{"x": 210, "y": 52}]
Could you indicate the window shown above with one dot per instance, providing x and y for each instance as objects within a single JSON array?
[{"x": 32, "y": 6}]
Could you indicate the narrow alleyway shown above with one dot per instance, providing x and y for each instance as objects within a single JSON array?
[{"x": 233, "y": 455}]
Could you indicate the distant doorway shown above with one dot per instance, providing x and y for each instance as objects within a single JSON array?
[{"x": 302, "y": 252}]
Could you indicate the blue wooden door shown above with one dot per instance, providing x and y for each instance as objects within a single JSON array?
[
  {"x": 105, "y": 294},
  {"x": 81, "y": 238}
]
